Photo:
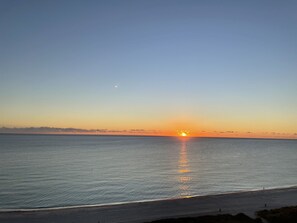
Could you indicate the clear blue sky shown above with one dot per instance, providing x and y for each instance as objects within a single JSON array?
[{"x": 207, "y": 65}]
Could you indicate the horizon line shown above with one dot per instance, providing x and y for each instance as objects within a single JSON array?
[{"x": 138, "y": 135}]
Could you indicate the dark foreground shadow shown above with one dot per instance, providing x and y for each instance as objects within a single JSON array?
[
  {"x": 280, "y": 215},
  {"x": 223, "y": 218}
]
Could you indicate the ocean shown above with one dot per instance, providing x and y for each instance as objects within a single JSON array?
[{"x": 40, "y": 171}]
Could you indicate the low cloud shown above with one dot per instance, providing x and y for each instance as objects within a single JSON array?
[
  {"x": 50, "y": 130},
  {"x": 144, "y": 131},
  {"x": 224, "y": 132},
  {"x": 137, "y": 130},
  {"x": 54, "y": 130},
  {"x": 231, "y": 131}
]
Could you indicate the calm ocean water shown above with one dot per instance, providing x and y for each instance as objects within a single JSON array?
[{"x": 54, "y": 171}]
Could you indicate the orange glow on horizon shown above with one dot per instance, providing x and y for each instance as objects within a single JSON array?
[{"x": 184, "y": 132}]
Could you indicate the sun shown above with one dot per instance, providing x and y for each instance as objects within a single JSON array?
[{"x": 183, "y": 134}]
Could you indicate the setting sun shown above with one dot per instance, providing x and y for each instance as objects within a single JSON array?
[{"x": 183, "y": 134}]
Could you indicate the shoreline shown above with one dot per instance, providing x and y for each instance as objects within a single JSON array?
[
  {"x": 142, "y": 211},
  {"x": 141, "y": 201}
]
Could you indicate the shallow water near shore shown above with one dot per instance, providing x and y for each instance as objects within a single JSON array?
[{"x": 57, "y": 171}]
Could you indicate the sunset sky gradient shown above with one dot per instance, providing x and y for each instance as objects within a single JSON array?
[{"x": 211, "y": 68}]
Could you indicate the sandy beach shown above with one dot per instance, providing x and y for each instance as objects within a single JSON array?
[{"x": 245, "y": 202}]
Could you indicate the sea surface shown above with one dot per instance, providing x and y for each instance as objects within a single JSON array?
[{"x": 57, "y": 171}]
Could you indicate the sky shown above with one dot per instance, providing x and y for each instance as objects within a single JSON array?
[{"x": 208, "y": 68}]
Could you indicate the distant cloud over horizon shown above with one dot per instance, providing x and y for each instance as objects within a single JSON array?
[
  {"x": 103, "y": 131},
  {"x": 55, "y": 130}
]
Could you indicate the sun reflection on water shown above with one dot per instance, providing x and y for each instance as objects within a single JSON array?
[{"x": 184, "y": 170}]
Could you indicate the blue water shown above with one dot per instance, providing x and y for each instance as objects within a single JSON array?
[{"x": 54, "y": 171}]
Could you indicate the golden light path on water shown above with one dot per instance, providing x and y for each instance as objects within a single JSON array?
[{"x": 184, "y": 170}]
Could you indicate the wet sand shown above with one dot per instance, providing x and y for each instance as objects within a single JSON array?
[{"x": 245, "y": 202}]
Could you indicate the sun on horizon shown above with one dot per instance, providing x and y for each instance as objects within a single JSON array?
[{"x": 183, "y": 134}]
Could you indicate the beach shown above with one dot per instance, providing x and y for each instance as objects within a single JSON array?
[{"x": 134, "y": 212}]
